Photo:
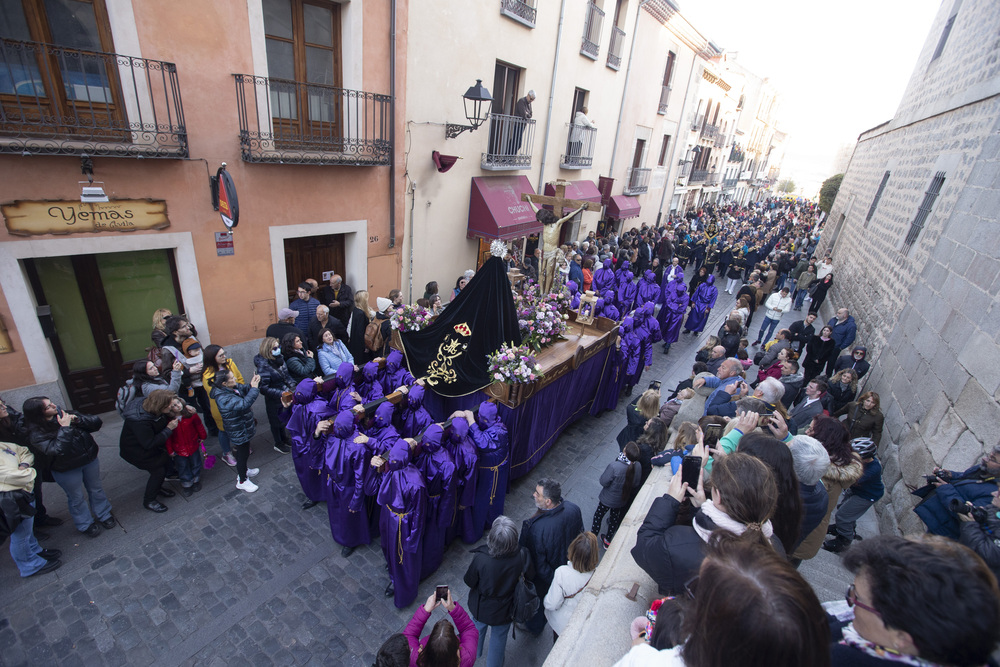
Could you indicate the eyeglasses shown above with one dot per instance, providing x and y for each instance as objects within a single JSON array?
[{"x": 852, "y": 601}]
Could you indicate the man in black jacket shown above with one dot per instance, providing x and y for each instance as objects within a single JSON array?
[
  {"x": 802, "y": 331},
  {"x": 547, "y": 536}
]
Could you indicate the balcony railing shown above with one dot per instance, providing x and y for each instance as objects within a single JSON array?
[
  {"x": 710, "y": 132},
  {"x": 615, "y": 48},
  {"x": 580, "y": 144},
  {"x": 720, "y": 141},
  {"x": 698, "y": 123},
  {"x": 637, "y": 180},
  {"x": 511, "y": 139},
  {"x": 60, "y": 101},
  {"x": 745, "y": 175},
  {"x": 290, "y": 122},
  {"x": 729, "y": 183},
  {"x": 698, "y": 175},
  {"x": 592, "y": 31},
  {"x": 522, "y": 11},
  {"x": 664, "y": 97},
  {"x": 712, "y": 181}
]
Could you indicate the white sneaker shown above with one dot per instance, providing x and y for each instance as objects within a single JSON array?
[
  {"x": 247, "y": 486},
  {"x": 252, "y": 472}
]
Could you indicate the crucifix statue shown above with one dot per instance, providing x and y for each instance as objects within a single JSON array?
[{"x": 552, "y": 226}]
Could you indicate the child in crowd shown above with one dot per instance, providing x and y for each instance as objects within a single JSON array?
[{"x": 184, "y": 446}]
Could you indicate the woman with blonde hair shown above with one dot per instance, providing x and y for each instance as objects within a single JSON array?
[
  {"x": 359, "y": 319},
  {"x": 569, "y": 581},
  {"x": 842, "y": 387},
  {"x": 643, "y": 408}
]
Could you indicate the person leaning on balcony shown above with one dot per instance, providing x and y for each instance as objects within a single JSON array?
[
  {"x": 522, "y": 110},
  {"x": 576, "y": 133}
]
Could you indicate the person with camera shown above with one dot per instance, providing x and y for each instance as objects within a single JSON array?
[
  {"x": 948, "y": 489},
  {"x": 980, "y": 531},
  {"x": 442, "y": 647}
]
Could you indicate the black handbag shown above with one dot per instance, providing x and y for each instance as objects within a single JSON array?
[{"x": 526, "y": 601}]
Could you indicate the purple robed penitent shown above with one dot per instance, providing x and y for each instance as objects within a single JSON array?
[
  {"x": 653, "y": 333},
  {"x": 463, "y": 452},
  {"x": 493, "y": 448},
  {"x": 346, "y": 465},
  {"x": 631, "y": 348},
  {"x": 370, "y": 388},
  {"x": 671, "y": 314},
  {"x": 701, "y": 303},
  {"x": 414, "y": 418},
  {"x": 438, "y": 469},
  {"x": 402, "y": 496},
  {"x": 648, "y": 290},
  {"x": 307, "y": 452},
  {"x": 341, "y": 398},
  {"x": 395, "y": 375},
  {"x": 604, "y": 277},
  {"x": 625, "y": 298}
]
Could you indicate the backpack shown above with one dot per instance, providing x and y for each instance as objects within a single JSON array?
[
  {"x": 373, "y": 335},
  {"x": 526, "y": 602},
  {"x": 125, "y": 394}
]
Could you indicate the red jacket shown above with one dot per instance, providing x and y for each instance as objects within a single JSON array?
[
  {"x": 772, "y": 371},
  {"x": 187, "y": 437}
]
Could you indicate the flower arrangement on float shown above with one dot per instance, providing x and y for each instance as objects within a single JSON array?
[
  {"x": 540, "y": 318},
  {"x": 514, "y": 364},
  {"x": 410, "y": 318}
]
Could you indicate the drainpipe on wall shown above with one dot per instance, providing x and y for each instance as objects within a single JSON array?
[
  {"x": 392, "y": 126},
  {"x": 628, "y": 73},
  {"x": 680, "y": 124},
  {"x": 552, "y": 93},
  {"x": 413, "y": 200}
]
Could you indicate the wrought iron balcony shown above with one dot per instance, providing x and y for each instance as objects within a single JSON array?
[
  {"x": 61, "y": 101},
  {"x": 698, "y": 175},
  {"x": 698, "y": 123},
  {"x": 290, "y": 122},
  {"x": 664, "y": 96},
  {"x": 637, "y": 180},
  {"x": 720, "y": 140},
  {"x": 712, "y": 180},
  {"x": 522, "y": 11},
  {"x": 615, "y": 48},
  {"x": 729, "y": 183},
  {"x": 580, "y": 144},
  {"x": 511, "y": 140},
  {"x": 710, "y": 132},
  {"x": 591, "y": 46}
]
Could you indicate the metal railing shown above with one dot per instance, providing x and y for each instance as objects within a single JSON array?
[
  {"x": 291, "y": 122},
  {"x": 664, "y": 96},
  {"x": 710, "y": 132},
  {"x": 699, "y": 121},
  {"x": 510, "y": 142},
  {"x": 729, "y": 183},
  {"x": 637, "y": 180},
  {"x": 698, "y": 175},
  {"x": 591, "y": 46},
  {"x": 522, "y": 11},
  {"x": 712, "y": 181},
  {"x": 615, "y": 47},
  {"x": 580, "y": 144},
  {"x": 720, "y": 141},
  {"x": 61, "y": 101}
]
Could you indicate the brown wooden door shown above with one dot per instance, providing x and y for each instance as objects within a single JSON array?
[
  {"x": 101, "y": 310},
  {"x": 311, "y": 256}
]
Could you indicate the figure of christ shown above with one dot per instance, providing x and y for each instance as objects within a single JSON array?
[{"x": 551, "y": 254}]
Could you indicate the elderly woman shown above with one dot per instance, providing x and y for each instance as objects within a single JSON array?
[
  {"x": 811, "y": 462},
  {"x": 864, "y": 419},
  {"x": 929, "y": 602},
  {"x": 148, "y": 424},
  {"x": 491, "y": 578}
]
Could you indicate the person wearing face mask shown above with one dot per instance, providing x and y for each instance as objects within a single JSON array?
[{"x": 275, "y": 380}]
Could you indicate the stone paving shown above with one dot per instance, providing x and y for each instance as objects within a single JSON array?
[{"x": 227, "y": 577}]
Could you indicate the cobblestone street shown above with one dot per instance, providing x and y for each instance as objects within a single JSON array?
[{"x": 227, "y": 577}]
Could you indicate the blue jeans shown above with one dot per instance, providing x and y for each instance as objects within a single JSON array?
[
  {"x": 770, "y": 324},
  {"x": 498, "y": 642},
  {"x": 224, "y": 442},
  {"x": 189, "y": 467},
  {"x": 800, "y": 295},
  {"x": 73, "y": 482},
  {"x": 24, "y": 547}
]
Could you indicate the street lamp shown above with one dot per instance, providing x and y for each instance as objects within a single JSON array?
[{"x": 476, "y": 110}]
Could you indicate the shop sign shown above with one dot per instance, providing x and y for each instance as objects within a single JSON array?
[
  {"x": 35, "y": 218},
  {"x": 224, "y": 244}
]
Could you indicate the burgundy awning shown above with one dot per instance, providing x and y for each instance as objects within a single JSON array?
[
  {"x": 580, "y": 190},
  {"x": 496, "y": 210},
  {"x": 623, "y": 207}
]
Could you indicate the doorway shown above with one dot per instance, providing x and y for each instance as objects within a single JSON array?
[
  {"x": 96, "y": 311},
  {"x": 311, "y": 257}
]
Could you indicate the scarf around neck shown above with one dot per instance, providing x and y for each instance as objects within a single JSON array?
[
  {"x": 723, "y": 521},
  {"x": 856, "y": 641}
]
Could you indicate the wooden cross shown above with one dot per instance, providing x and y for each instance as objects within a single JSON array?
[
  {"x": 550, "y": 234},
  {"x": 559, "y": 203}
]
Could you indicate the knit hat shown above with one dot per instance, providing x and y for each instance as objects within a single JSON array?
[
  {"x": 382, "y": 303},
  {"x": 190, "y": 347}
]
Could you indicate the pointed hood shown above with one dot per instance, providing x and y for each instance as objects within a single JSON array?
[
  {"x": 306, "y": 391},
  {"x": 393, "y": 362},
  {"x": 345, "y": 375},
  {"x": 415, "y": 397},
  {"x": 459, "y": 429},
  {"x": 343, "y": 425},
  {"x": 487, "y": 414},
  {"x": 431, "y": 440},
  {"x": 383, "y": 415}
]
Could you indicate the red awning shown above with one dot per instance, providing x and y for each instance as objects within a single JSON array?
[
  {"x": 496, "y": 210},
  {"x": 623, "y": 207},
  {"x": 580, "y": 190}
]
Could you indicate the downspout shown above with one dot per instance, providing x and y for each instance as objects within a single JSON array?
[
  {"x": 552, "y": 94},
  {"x": 413, "y": 200},
  {"x": 628, "y": 73},
  {"x": 392, "y": 125},
  {"x": 673, "y": 153}
]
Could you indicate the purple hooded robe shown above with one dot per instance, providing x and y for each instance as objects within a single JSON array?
[
  {"x": 370, "y": 387},
  {"x": 414, "y": 418},
  {"x": 463, "y": 452},
  {"x": 701, "y": 304},
  {"x": 347, "y": 464},
  {"x": 631, "y": 350},
  {"x": 340, "y": 398},
  {"x": 604, "y": 277},
  {"x": 395, "y": 374},
  {"x": 402, "y": 496},
  {"x": 307, "y": 452},
  {"x": 493, "y": 448},
  {"x": 671, "y": 315},
  {"x": 609, "y": 309},
  {"x": 627, "y": 292},
  {"x": 436, "y": 465},
  {"x": 648, "y": 290},
  {"x": 653, "y": 330}
]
